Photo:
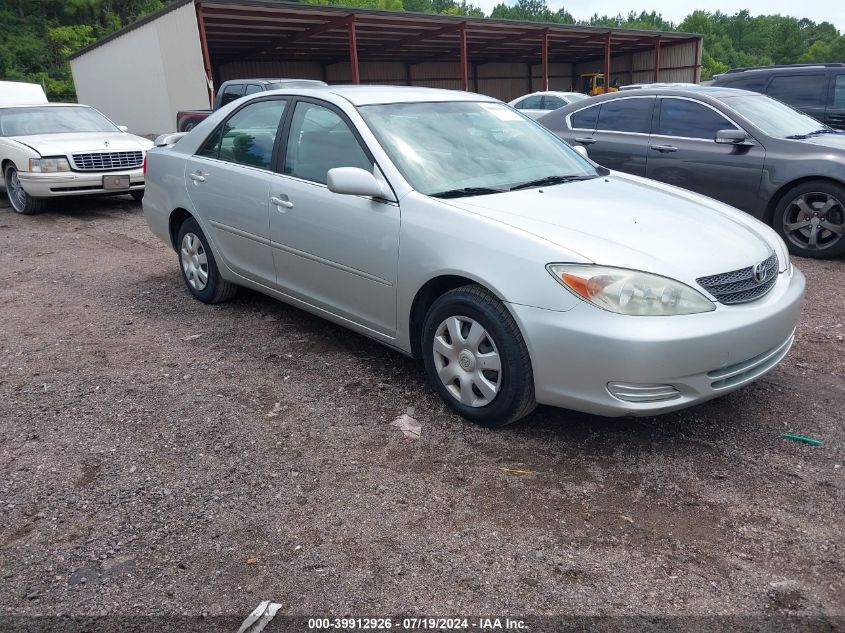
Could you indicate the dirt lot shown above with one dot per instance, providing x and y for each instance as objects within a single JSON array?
[{"x": 160, "y": 456}]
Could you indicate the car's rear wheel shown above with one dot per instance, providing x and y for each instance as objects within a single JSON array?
[
  {"x": 476, "y": 358},
  {"x": 198, "y": 266},
  {"x": 811, "y": 219},
  {"x": 20, "y": 200}
]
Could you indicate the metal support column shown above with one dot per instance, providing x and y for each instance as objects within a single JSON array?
[
  {"x": 464, "y": 60},
  {"x": 353, "y": 50},
  {"x": 545, "y": 56},
  {"x": 607, "y": 62}
]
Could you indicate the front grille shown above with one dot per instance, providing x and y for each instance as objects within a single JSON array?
[
  {"x": 741, "y": 286},
  {"x": 103, "y": 161}
]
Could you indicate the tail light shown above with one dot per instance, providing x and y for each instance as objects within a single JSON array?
[{"x": 144, "y": 168}]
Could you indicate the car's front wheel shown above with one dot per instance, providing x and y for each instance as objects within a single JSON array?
[
  {"x": 20, "y": 200},
  {"x": 811, "y": 219},
  {"x": 198, "y": 266},
  {"x": 476, "y": 358},
  {"x": 137, "y": 195}
]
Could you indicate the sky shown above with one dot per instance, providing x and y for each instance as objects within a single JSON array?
[{"x": 676, "y": 10}]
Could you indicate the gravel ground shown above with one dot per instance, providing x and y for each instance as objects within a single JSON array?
[{"x": 164, "y": 457}]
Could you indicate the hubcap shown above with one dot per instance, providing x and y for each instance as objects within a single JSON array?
[
  {"x": 15, "y": 191},
  {"x": 194, "y": 261},
  {"x": 814, "y": 221},
  {"x": 467, "y": 361}
]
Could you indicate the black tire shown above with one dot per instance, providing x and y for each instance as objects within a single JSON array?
[
  {"x": 22, "y": 203},
  {"x": 816, "y": 206},
  {"x": 515, "y": 396},
  {"x": 216, "y": 289},
  {"x": 138, "y": 195}
]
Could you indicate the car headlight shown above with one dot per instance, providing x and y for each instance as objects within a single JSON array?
[
  {"x": 630, "y": 292},
  {"x": 48, "y": 165}
]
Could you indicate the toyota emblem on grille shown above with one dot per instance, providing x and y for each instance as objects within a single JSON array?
[
  {"x": 106, "y": 143},
  {"x": 761, "y": 271}
]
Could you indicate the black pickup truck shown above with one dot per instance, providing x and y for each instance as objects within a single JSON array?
[{"x": 233, "y": 89}]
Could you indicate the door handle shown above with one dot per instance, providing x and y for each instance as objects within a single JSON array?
[
  {"x": 280, "y": 202},
  {"x": 664, "y": 148},
  {"x": 585, "y": 141},
  {"x": 198, "y": 176}
]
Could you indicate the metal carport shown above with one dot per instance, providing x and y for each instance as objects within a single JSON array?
[{"x": 272, "y": 38}]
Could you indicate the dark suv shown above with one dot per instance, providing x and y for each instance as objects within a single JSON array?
[
  {"x": 742, "y": 148},
  {"x": 815, "y": 89}
]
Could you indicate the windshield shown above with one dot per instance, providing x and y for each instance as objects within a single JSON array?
[
  {"x": 773, "y": 117},
  {"x": 446, "y": 146},
  {"x": 52, "y": 120}
]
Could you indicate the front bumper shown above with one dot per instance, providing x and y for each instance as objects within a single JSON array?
[
  {"x": 576, "y": 354},
  {"x": 74, "y": 183}
]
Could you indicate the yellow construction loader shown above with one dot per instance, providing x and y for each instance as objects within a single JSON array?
[{"x": 592, "y": 84}]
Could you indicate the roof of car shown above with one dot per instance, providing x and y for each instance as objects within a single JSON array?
[
  {"x": 360, "y": 95},
  {"x": 42, "y": 105},
  {"x": 706, "y": 91}
]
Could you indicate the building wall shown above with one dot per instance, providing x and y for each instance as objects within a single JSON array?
[
  {"x": 142, "y": 78},
  {"x": 677, "y": 64}
]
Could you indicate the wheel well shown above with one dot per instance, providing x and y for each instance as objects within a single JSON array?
[
  {"x": 3, "y": 166},
  {"x": 780, "y": 193},
  {"x": 176, "y": 218},
  {"x": 425, "y": 296}
]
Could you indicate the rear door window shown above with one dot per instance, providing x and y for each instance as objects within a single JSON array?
[
  {"x": 248, "y": 136},
  {"x": 755, "y": 82},
  {"x": 553, "y": 103},
  {"x": 839, "y": 92},
  {"x": 230, "y": 93},
  {"x": 626, "y": 115},
  {"x": 534, "y": 102},
  {"x": 585, "y": 119},
  {"x": 689, "y": 119},
  {"x": 803, "y": 90}
]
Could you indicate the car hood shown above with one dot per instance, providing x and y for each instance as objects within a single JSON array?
[
  {"x": 631, "y": 222},
  {"x": 64, "y": 144}
]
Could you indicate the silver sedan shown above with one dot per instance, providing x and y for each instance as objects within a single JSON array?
[{"x": 452, "y": 228}]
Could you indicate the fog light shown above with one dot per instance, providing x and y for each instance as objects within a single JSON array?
[{"x": 638, "y": 392}]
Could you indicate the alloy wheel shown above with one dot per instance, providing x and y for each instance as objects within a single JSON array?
[
  {"x": 15, "y": 191},
  {"x": 194, "y": 261},
  {"x": 814, "y": 220},
  {"x": 467, "y": 361}
]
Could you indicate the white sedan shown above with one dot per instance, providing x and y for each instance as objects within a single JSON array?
[
  {"x": 53, "y": 150},
  {"x": 538, "y": 104}
]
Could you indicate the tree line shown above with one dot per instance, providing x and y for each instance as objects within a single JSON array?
[{"x": 37, "y": 36}]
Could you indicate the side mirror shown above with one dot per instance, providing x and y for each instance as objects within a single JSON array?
[
  {"x": 122, "y": 128},
  {"x": 166, "y": 140},
  {"x": 580, "y": 149},
  {"x": 354, "y": 181},
  {"x": 731, "y": 137}
]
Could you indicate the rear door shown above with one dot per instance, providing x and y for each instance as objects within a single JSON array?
[
  {"x": 619, "y": 138},
  {"x": 682, "y": 152},
  {"x": 835, "y": 113},
  {"x": 228, "y": 181},
  {"x": 805, "y": 91}
]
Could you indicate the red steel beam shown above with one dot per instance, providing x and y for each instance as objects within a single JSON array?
[
  {"x": 464, "y": 60},
  {"x": 353, "y": 50},
  {"x": 545, "y": 56},
  {"x": 657, "y": 59},
  {"x": 696, "y": 74},
  {"x": 206, "y": 59},
  {"x": 607, "y": 61}
]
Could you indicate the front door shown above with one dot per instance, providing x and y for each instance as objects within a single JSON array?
[
  {"x": 683, "y": 152},
  {"x": 336, "y": 252},
  {"x": 228, "y": 181}
]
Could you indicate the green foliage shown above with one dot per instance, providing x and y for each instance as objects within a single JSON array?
[{"x": 38, "y": 35}]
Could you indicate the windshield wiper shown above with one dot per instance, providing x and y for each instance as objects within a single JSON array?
[
  {"x": 549, "y": 180},
  {"x": 824, "y": 130},
  {"x": 466, "y": 191}
]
